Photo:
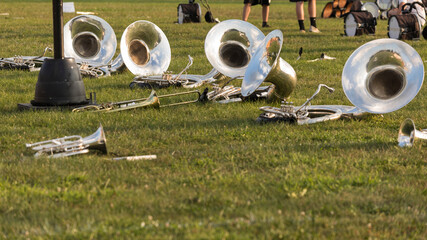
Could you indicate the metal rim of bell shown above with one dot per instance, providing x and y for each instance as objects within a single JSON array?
[
  {"x": 106, "y": 42},
  {"x": 261, "y": 63},
  {"x": 213, "y": 44},
  {"x": 355, "y": 74},
  {"x": 158, "y": 54}
]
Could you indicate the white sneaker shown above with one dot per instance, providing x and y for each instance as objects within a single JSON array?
[{"x": 314, "y": 29}]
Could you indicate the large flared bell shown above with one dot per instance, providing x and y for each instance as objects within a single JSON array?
[
  {"x": 89, "y": 39},
  {"x": 230, "y": 44},
  {"x": 382, "y": 75},
  {"x": 145, "y": 49},
  {"x": 267, "y": 66},
  {"x": 59, "y": 84}
]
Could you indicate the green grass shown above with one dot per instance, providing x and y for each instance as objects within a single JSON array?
[{"x": 219, "y": 174}]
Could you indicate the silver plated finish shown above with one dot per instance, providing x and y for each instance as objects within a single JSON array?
[
  {"x": 31, "y": 63},
  {"x": 310, "y": 114},
  {"x": 266, "y": 65},
  {"x": 408, "y": 133},
  {"x": 181, "y": 79},
  {"x": 70, "y": 145},
  {"x": 89, "y": 39},
  {"x": 230, "y": 44},
  {"x": 230, "y": 94},
  {"x": 145, "y": 49},
  {"x": 383, "y": 75}
]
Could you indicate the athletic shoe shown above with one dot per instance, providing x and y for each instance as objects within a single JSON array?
[{"x": 314, "y": 29}]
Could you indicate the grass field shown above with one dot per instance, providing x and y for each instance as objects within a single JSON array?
[{"x": 219, "y": 174}]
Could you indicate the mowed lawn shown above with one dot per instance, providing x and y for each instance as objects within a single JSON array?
[{"x": 219, "y": 174}]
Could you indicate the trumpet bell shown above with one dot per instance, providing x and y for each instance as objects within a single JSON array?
[
  {"x": 266, "y": 65},
  {"x": 230, "y": 44},
  {"x": 89, "y": 39},
  {"x": 408, "y": 133},
  {"x": 383, "y": 75},
  {"x": 97, "y": 140},
  {"x": 145, "y": 49}
]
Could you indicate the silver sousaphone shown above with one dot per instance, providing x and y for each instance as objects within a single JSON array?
[
  {"x": 145, "y": 49},
  {"x": 147, "y": 54},
  {"x": 379, "y": 77},
  {"x": 91, "y": 41},
  {"x": 230, "y": 45},
  {"x": 383, "y": 76}
]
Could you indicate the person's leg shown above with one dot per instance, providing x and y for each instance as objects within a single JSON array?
[
  {"x": 312, "y": 8},
  {"x": 246, "y": 11},
  {"x": 265, "y": 12},
  {"x": 312, "y": 13},
  {"x": 300, "y": 15},
  {"x": 300, "y": 10}
]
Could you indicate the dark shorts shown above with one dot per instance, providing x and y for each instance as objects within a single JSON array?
[
  {"x": 255, "y": 2},
  {"x": 298, "y": 0}
]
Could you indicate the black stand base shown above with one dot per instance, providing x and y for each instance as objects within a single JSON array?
[{"x": 29, "y": 106}]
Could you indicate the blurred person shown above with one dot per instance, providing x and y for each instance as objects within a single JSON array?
[
  {"x": 300, "y": 15},
  {"x": 265, "y": 10}
]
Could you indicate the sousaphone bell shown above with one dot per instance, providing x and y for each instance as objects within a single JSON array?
[
  {"x": 382, "y": 75},
  {"x": 230, "y": 45},
  {"x": 89, "y": 39},
  {"x": 145, "y": 49},
  {"x": 267, "y": 66}
]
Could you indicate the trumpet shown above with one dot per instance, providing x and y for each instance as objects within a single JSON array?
[
  {"x": 152, "y": 101},
  {"x": 408, "y": 133},
  {"x": 70, "y": 145}
]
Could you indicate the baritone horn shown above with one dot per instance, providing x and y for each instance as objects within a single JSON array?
[
  {"x": 408, "y": 133},
  {"x": 70, "y": 145},
  {"x": 230, "y": 44},
  {"x": 382, "y": 75},
  {"x": 267, "y": 66},
  {"x": 145, "y": 49},
  {"x": 90, "y": 40}
]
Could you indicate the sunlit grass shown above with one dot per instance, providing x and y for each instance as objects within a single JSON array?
[{"x": 219, "y": 173}]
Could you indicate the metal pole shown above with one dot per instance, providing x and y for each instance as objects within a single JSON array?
[{"x": 58, "y": 32}]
